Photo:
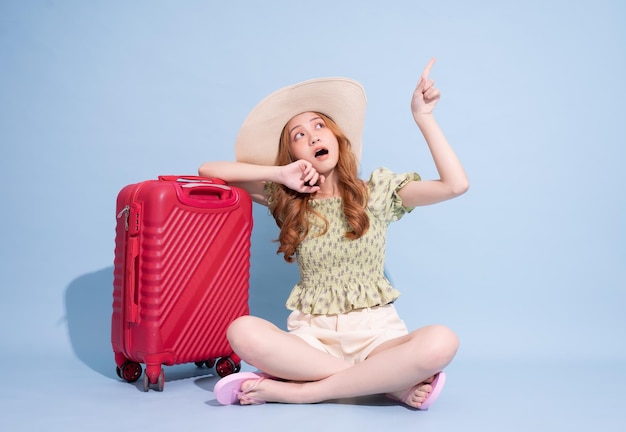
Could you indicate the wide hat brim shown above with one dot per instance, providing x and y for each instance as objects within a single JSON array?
[{"x": 341, "y": 99}]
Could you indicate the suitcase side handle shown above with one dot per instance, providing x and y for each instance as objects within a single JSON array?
[{"x": 132, "y": 274}]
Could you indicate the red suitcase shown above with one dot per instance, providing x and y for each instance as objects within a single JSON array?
[{"x": 181, "y": 275}]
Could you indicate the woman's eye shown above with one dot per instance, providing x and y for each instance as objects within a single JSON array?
[
  {"x": 319, "y": 125},
  {"x": 298, "y": 135}
]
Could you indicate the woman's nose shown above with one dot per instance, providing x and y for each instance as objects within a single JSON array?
[{"x": 314, "y": 140}]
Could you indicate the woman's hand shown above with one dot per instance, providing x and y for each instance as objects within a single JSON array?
[
  {"x": 426, "y": 95},
  {"x": 300, "y": 176}
]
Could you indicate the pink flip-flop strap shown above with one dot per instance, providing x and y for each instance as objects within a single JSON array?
[{"x": 243, "y": 394}]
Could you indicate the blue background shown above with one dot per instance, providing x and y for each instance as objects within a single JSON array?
[{"x": 529, "y": 267}]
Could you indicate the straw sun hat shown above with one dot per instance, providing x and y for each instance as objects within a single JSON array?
[{"x": 341, "y": 99}]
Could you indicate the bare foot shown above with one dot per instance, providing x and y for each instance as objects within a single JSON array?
[
  {"x": 262, "y": 390},
  {"x": 247, "y": 394},
  {"x": 416, "y": 395},
  {"x": 257, "y": 391}
]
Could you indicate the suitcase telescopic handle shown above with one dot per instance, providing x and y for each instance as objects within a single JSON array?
[
  {"x": 206, "y": 195},
  {"x": 191, "y": 178}
]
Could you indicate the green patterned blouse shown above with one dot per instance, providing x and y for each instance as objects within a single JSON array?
[{"x": 338, "y": 275}]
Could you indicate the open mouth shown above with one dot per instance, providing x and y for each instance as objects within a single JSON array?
[{"x": 321, "y": 152}]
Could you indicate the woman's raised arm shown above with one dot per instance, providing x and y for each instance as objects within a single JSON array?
[{"x": 452, "y": 180}]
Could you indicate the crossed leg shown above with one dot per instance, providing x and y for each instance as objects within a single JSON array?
[{"x": 407, "y": 362}]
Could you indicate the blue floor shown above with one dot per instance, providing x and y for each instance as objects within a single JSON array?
[{"x": 64, "y": 393}]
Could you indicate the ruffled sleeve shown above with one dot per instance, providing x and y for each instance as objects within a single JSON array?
[
  {"x": 269, "y": 190},
  {"x": 384, "y": 202}
]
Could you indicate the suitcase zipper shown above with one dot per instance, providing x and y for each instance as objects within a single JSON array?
[
  {"x": 126, "y": 213},
  {"x": 132, "y": 209}
]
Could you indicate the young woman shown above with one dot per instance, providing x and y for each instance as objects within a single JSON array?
[{"x": 298, "y": 153}]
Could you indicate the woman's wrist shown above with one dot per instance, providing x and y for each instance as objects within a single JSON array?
[{"x": 423, "y": 119}]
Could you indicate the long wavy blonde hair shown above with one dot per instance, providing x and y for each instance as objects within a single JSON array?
[{"x": 291, "y": 209}]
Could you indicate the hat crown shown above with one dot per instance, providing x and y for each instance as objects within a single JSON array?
[{"x": 341, "y": 99}]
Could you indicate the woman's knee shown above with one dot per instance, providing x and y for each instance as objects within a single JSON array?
[
  {"x": 244, "y": 334},
  {"x": 240, "y": 328},
  {"x": 438, "y": 345}
]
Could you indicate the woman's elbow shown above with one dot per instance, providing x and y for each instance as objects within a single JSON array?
[
  {"x": 460, "y": 187},
  {"x": 204, "y": 170}
]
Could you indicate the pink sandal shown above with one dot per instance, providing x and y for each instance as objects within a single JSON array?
[
  {"x": 228, "y": 389},
  {"x": 438, "y": 383}
]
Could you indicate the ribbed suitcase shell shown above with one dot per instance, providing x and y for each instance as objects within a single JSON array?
[{"x": 181, "y": 274}]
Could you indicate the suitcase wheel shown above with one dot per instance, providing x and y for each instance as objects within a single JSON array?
[
  {"x": 160, "y": 384},
  {"x": 207, "y": 363},
  {"x": 129, "y": 371},
  {"x": 226, "y": 366}
]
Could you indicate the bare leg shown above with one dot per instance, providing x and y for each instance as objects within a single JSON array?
[
  {"x": 276, "y": 352},
  {"x": 394, "y": 367},
  {"x": 420, "y": 391}
]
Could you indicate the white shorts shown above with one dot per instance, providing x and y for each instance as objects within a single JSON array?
[{"x": 351, "y": 336}]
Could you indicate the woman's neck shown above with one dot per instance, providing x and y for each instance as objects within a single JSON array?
[{"x": 328, "y": 189}]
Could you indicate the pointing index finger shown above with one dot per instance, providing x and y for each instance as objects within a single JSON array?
[{"x": 428, "y": 68}]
